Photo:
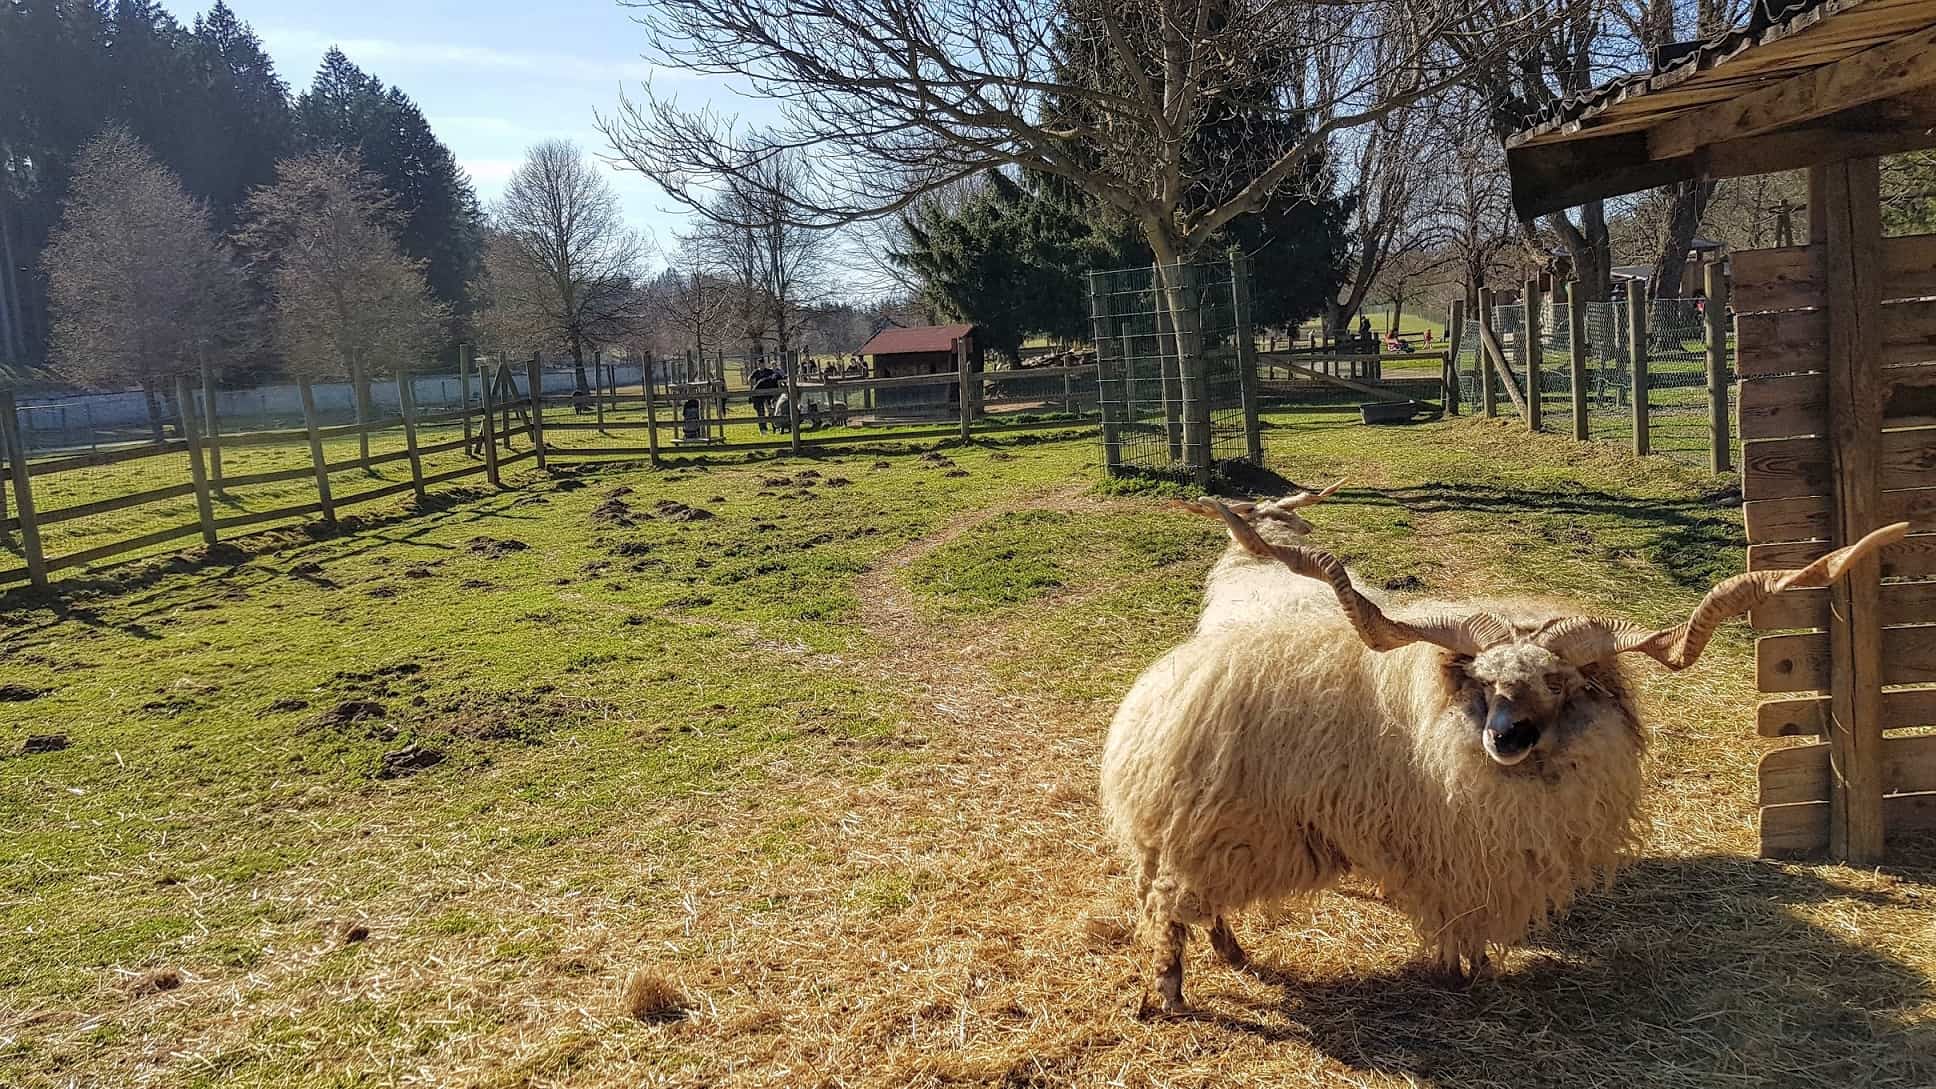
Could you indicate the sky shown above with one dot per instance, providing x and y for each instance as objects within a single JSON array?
[{"x": 493, "y": 77}]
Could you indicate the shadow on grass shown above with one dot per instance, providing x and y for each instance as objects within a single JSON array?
[{"x": 1689, "y": 972}]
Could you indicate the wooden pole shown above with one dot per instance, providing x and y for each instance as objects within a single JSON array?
[
  {"x": 212, "y": 427},
  {"x": 598, "y": 388},
  {"x": 488, "y": 436},
  {"x": 1488, "y": 390},
  {"x": 1576, "y": 355},
  {"x": 651, "y": 410},
  {"x": 1850, "y": 199},
  {"x": 1716, "y": 289},
  {"x": 967, "y": 399},
  {"x": 1454, "y": 341},
  {"x": 1637, "y": 363},
  {"x": 407, "y": 404},
  {"x": 197, "y": 469},
  {"x": 1533, "y": 347},
  {"x": 536, "y": 378},
  {"x": 791, "y": 364},
  {"x": 466, "y": 354},
  {"x": 316, "y": 461},
  {"x": 1246, "y": 355},
  {"x": 23, "y": 491}
]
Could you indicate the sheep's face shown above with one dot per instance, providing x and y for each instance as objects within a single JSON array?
[{"x": 1518, "y": 694}]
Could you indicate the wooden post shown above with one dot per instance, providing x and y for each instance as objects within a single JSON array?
[
  {"x": 791, "y": 364},
  {"x": 1850, "y": 200},
  {"x": 1454, "y": 341},
  {"x": 1716, "y": 288},
  {"x": 1576, "y": 355},
  {"x": 1246, "y": 355},
  {"x": 1533, "y": 347},
  {"x": 598, "y": 388},
  {"x": 488, "y": 436},
  {"x": 316, "y": 461},
  {"x": 465, "y": 354},
  {"x": 407, "y": 404},
  {"x": 197, "y": 470},
  {"x": 1637, "y": 363},
  {"x": 1488, "y": 388},
  {"x": 212, "y": 427},
  {"x": 23, "y": 490},
  {"x": 967, "y": 398},
  {"x": 537, "y": 408},
  {"x": 651, "y": 411}
]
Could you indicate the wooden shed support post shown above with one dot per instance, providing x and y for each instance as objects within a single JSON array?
[
  {"x": 1715, "y": 286},
  {"x": 1637, "y": 362},
  {"x": 1533, "y": 348},
  {"x": 1488, "y": 391},
  {"x": 23, "y": 490},
  {"x": 197, "y": 468},
  {"x": 316, "y": 461},
  {"x": 1576, "y": 355},
  {"x": 1850, "y": 201}
]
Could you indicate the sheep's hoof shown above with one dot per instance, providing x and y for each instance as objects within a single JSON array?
[
  {"x": 1480, "y": 967},
  {"x": 1225, "y": 943},
  {"x": 1168, "y": 1006}
]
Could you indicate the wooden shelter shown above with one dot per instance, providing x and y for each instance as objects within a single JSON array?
[
  {"x": 899, "y": 352},
  {"x": 1836, "y": 352}
]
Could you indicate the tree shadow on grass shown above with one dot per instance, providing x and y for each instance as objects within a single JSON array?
[{"x": 1688, "y": 972}]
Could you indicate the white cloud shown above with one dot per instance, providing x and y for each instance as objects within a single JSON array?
[{"x": 375, "y": 52}]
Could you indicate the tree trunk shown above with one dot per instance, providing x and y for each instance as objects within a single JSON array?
[
  {"x": 583, "y": 385},
  {"x": 1590, "y": 247},
  {"x": 1683, "y": 219},
  {"x": 1185, "y": 320}
]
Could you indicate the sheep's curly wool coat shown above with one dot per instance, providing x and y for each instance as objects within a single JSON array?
[{"x": 1273, "y": 753}]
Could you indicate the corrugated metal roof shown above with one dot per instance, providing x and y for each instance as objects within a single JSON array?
[{"x": 921, "y": 338}]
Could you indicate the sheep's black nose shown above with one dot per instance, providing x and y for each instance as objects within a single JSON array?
[{"x": 1517, "y": 737}]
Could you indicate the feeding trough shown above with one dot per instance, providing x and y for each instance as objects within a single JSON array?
[{"x": 1388, "y": 412}]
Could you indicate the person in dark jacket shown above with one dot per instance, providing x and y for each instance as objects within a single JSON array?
[{"x": 765, "y": 384}]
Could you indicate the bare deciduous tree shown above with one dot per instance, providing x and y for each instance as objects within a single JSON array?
[
  {"x": 560, "y": 220},
  {"x": 348, "y": 303},
  {"x": 140, "y": 286}
]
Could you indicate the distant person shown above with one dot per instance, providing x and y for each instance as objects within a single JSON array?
[{"x": 765, "y": 384}]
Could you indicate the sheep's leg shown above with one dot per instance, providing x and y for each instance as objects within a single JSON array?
[
  {"x": 1225, "y": 943},
  {"x": 1169, "y": 967}
]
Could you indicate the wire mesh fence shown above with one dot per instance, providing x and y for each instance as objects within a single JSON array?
[
  {"x": 1170, "y": 359},
  {"x": 1677, "y": 413}
]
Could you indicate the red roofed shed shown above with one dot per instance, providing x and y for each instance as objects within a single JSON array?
[{"x": 921, "y": 350}]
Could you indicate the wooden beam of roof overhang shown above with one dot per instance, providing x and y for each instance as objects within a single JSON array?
[{"x": 1874, "y": 101}]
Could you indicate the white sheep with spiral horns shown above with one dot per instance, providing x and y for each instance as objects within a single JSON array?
[{"x": 1479, "y": 762}]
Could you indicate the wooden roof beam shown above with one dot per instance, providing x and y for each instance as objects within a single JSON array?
[{"x": 1902, "y": 66}]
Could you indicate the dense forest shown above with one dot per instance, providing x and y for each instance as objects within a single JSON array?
[{"x": 207, "y": 103}]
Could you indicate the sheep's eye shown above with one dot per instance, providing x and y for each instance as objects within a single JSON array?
[{"x": 1556, "y": 687}]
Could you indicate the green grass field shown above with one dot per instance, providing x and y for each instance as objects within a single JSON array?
[{"x": 413, "y": 805}]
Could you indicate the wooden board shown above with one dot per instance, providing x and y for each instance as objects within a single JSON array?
[
  {"x": 1912, "y": 557},
  {"x": 1902, "y": 603},
  {"x": 1807, "y": 716},
  {"x": 1801, "y": 829},
  {"x": 1797, "y": 404},
  {"x": 1801, "y": 773},
  {"x": 1790, "y": 277},
  {"x": 1800, "y": 663},
  {"x": 1784, "y": 342},
  {"x": 1787, "y": 468},
  {"x": 1807, "y": 517}
]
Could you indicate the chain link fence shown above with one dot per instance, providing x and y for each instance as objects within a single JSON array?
[{"x": 1173, "y": 400}]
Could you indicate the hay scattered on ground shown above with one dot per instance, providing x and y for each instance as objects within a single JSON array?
[{"x": 649, "y": 996}]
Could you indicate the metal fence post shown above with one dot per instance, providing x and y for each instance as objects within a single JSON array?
[
  {"x": 534, "y": 369},
  {"x": 1246, "y": 355},
  {"x": 316, "y": 461},
  {"x": 23, "y": 490},
  {"x": 1637, "y": 362},
  {"x": 1533, "y": 347},
  {"x": 1716, "y": 289}
]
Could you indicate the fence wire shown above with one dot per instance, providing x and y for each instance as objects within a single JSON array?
[{"x": 1155, "y": 403}]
